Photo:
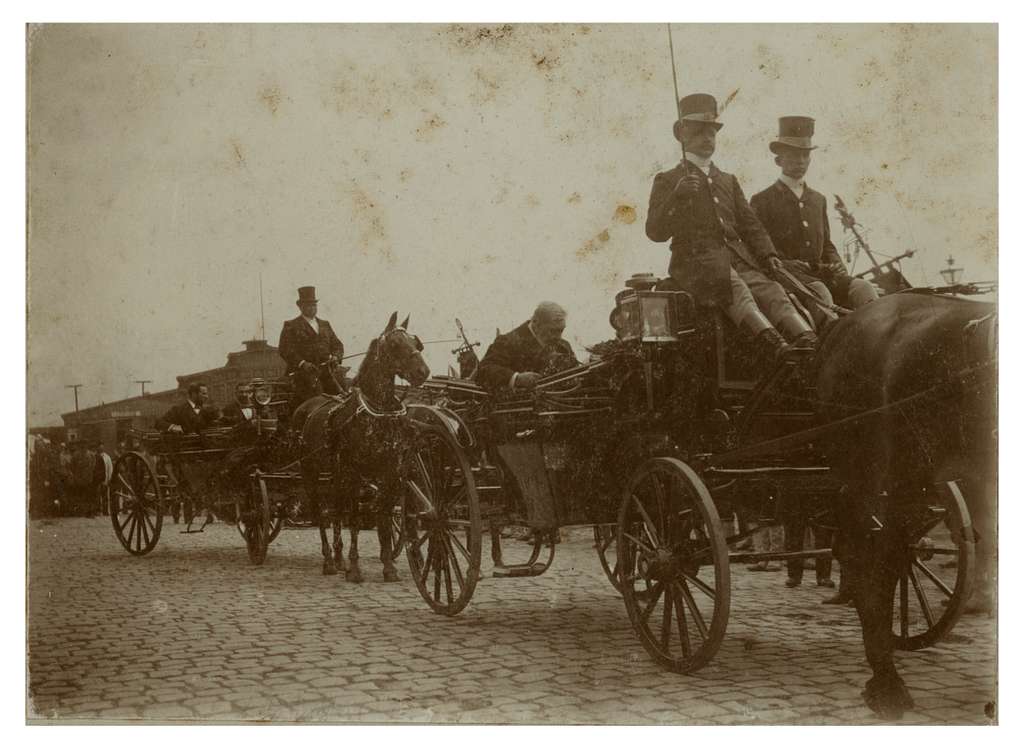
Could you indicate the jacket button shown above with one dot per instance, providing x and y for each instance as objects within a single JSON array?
[
  {"x": 807, "y": 243},
  {"x": 806, "y": 224},
  {"x": 716, "y": 199},
  {"x": 801, "y": 204}
]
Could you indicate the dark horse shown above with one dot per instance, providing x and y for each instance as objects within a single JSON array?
[
  {"x": 353, "y": 447},
  {"x": 920, "y": 369}
]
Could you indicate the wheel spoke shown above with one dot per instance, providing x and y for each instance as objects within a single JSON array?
[
  {"x": 666, "y": 623},
  {"x": 922, "y": 598},
  {"x": 462, "y": 548},
  {"x": 703, "y": 587},
  {"x": 456, "y": 569},
  {"x": 655, "y": 593},
  {"x": 131, "y": 532},
  {"x": 447, "y": 578},
  {"x": 931, "y": 575},
  {"x": 643, "y": 545},
  {"x": 127, "y": 518},
  {"x": 437, "y": 565},
  {"x": 652, "y": 531},
  {"x": 684, "y": 635},
  {"x": 698, "y": 619},
  {"x": 143, "y": 530},
  {"x": 904, "y": 607},
  {"x": 425, "y": 571}
]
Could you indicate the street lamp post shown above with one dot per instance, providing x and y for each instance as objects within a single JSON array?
[{"x": 951, "y": 274}]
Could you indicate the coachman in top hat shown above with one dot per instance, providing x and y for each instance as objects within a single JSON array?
[
  {"x": 720, "y": 252},
  {"x": 310, "y": 349},
  {"x": 796, "y": 217}
]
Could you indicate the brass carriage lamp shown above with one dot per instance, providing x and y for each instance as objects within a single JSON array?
[
  {"x": 950, "y": 274},
  {"x": 651, "y": 317},
  {"x": 262, "y": 392}
]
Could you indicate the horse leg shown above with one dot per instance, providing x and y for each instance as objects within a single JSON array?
[
  {"x": 386, "y": 545},
  {"x": 354, "y": 574},
  {"x": 325, "y": 547},
  {"x": 873, "y": 562},
  {"x": 339, "y": 545}
]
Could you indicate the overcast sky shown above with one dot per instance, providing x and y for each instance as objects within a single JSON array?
[{"x": 444, "y": 171}]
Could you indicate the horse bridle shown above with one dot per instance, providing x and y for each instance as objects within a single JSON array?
[{"x": 403, "y": 365}]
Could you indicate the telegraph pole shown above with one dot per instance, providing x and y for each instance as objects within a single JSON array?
[
  {"x": 74, "y": 386},
  {"x": 143, "y": 384}
]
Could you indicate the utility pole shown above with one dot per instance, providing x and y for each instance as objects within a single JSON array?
[
  {"x": 263, "y": 330},
  {"x": 74, "y": 386},
  {"x": 143, "y": 384}
]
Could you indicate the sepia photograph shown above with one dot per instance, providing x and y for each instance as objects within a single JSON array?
[{"x": 511, "y": 373}]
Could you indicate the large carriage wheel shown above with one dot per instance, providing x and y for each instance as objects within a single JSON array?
[
  {"x": 937, "y": 571},
  {"x": 254, "y": 521},
  {"x": 442, "y": 522},
  {"x": 607, "y": 551},
  {"x": 136, "y": 503},
  {"x": 673, "y": 564}
]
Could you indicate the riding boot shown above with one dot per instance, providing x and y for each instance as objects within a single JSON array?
[
  {"x": 771, "y": 344},
  {"x": 806, "y": 340}
]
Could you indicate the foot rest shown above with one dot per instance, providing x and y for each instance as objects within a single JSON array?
[{"x": 509, "y": 572}]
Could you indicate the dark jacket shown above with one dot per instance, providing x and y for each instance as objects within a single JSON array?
[
  {"x": 183, "y": 415},
  {"x": 798, "y": 226},
  {"x": 232, "y": 414},
  {"x": 299, "y": 342},
  {"x": 518, "y": 352},
  {"x": 710, "y": 231}
]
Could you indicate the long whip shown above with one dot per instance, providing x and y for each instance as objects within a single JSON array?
[{"x": 675, "y": 88}]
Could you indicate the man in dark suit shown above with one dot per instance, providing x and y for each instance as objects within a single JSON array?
[
  {"x": 241, "y": 410},
  {"x": 192, "y": 415},
  {"x": 518, "y": 359},
  {"x": 796, "y": 218},
  {"x": 720, "y": 252},
  {"x": 310, "y": 350}
]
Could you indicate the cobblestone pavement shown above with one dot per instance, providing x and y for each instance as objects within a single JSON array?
[{"x": 193, "y": 631}]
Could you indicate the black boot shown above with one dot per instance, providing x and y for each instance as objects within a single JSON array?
[
  {"x": 770, "y": 342},
  {"x": 806, "y": 340}
]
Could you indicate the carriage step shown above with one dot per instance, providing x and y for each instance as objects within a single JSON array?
[{"x": 512, "y": 572}]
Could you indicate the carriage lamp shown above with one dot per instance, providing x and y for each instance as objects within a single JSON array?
[
  {"x": 950, "y": 274},
  {"x": 650, "y": 316},
  {"x": 262, "y": 393}
]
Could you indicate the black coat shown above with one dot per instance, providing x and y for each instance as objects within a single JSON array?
[
  {"x": 710, "y": 232},
  {"x": 299, "y": 342},
  {"x": 232, "y": 414},
  {"x": 183, "y": 415},
  {"x": 518, "y": 352}
]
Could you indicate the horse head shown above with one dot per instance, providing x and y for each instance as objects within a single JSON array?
[{"x": 400, "y": 353}]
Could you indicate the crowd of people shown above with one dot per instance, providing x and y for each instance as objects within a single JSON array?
[{"x": 69, "y": 479}]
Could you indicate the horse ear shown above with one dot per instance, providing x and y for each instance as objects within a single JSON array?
[
  {"x": 391, "y": 322},
  {"x": 405, "y": 323}
]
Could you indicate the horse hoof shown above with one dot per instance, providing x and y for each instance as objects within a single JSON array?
[
  {"x": 887, "y": 697},
  {"x": 391, "y": 576},
  {"x": 329, "y": 569},
  {"x": 355, "y": 576}
]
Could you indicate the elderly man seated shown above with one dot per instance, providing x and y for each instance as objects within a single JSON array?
[{"x": 517, "y": 360}]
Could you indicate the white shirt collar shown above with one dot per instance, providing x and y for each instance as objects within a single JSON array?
[
  {"x": 192, "y": 404},
  {"x": 797, "y": 186},
  {"x": 312, "y": 322},
  {"x": 703, "y": 163}
]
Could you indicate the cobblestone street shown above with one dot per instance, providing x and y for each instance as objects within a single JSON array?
[{"x": 193, "y": 631}]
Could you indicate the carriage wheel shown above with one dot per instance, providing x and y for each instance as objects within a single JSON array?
[
  {"x": 605, "y": 545},
  {"x": 936, "y": 573},
  {"x": 136, "y": 503},
  {"x": 254, "y": 521},
  {"x": 673, "y": 564},
  {"x": 442, "y": 522}
]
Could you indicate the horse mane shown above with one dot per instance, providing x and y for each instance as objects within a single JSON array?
[{"x": 371, "y": 357}]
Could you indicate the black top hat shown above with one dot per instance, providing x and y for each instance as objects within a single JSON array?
[
  {"x": 795, "y": 131},
  {"x": 699, "y": 108},
  {"x": 306, "y": 294}
]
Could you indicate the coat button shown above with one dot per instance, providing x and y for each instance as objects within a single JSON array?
[
  {"x": 806, "y": 224},
  {"x": 801, "y": 204},
  {"x": 716, "y": 200},
  {"x": 807, "y": 243}
]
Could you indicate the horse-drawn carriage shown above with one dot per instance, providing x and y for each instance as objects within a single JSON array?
[
  {"x": 658, "y": 442},
  {"x": 165, "y": 473}
]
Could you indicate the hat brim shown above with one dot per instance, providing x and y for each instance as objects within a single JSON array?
[
  {"x": 701, "y": 121},
  {"x": 776, "y": 146}
]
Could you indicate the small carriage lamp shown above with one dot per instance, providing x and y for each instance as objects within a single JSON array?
[
  {"x": 262, "y": 393},
  {"x": 658, "y": 316}
]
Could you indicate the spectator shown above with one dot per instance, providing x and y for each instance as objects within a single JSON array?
[{"x": 104, "y": 469}]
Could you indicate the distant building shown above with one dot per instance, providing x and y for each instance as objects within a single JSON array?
[{"x": 109, "y": 423}]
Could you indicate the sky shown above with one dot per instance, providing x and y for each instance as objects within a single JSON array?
[{"x": 444, "y": 171}]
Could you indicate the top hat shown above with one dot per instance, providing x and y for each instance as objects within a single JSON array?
[
  {"x": 306, "y": 295},
  {"x": 795, "y": 131},
  {"x": 699, "y": 108}
]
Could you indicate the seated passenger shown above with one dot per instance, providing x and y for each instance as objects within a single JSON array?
[
  {"x": 796, "y": 218},
  {"x": 192, "y": 415},
  {"x": 241, "y": 411},
  {"x": 518, "y": 359},
  {"x": 720, "y": 252}
]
